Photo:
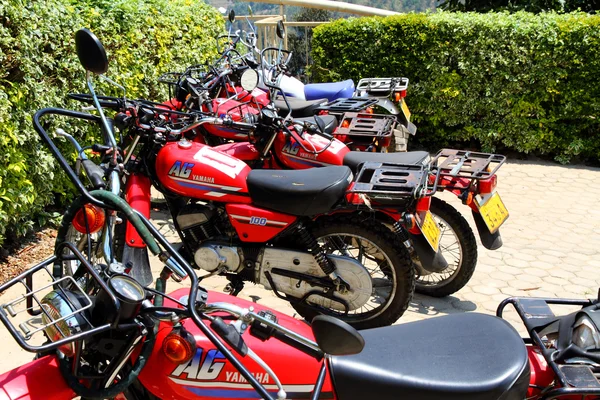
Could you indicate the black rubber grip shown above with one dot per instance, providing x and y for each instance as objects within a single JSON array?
[
  {"x": 95, "y": 173},
  {"x": 230, "y": 336},
  {"x": 242, "y": 125}
]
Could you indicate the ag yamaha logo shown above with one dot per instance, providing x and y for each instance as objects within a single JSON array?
[
  {"x": 209, "y": 369},
  {"x": 181, "y": 170}
]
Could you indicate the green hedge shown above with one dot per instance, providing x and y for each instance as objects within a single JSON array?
[
  {"x": 526, "y": 82},
  {"x": 39, "y": 67}
]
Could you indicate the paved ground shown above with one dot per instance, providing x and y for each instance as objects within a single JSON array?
[{"x": 551, "y": 248}]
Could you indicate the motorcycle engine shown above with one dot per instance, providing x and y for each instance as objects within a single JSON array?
[{"x": 201, "y": 231}]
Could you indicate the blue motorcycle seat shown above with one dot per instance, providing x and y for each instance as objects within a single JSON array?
[{"x": 329, "y": 91}]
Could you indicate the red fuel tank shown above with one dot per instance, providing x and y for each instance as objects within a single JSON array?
[
  {"x": 244, "y": 151},
  {"x": 294, "y": 156},
  {"x": 196, "y": 170},
  {"x": 208, "y": 375}
]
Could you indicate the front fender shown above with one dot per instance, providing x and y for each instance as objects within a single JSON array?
[{"x": 40, "y": 379}]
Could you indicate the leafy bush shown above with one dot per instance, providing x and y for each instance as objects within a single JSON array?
[
  {"x": 39, "y": 67},
  {"x": 519, "y": 81}
]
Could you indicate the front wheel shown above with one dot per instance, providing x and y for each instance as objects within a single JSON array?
[
  {"x": 383, "y": 256},
  {"x": 459, "y": 248}
]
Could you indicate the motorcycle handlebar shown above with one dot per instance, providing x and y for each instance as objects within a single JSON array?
[{"x": 280, "y": 332}]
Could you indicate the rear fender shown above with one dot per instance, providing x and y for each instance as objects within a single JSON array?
[
  {"x": 491, "y": 241},
  {"x": 40, "y": 379}
]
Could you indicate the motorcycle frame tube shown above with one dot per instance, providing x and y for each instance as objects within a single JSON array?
[{"x": 138, "y": 197}]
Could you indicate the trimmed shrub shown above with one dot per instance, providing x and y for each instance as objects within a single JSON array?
[
  {"x": 526, "y": 82},
  {"x": 39, "y": 67}
]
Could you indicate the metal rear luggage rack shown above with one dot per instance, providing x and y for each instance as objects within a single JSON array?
[
  {"x": 352, "y": 104},
  {"x": 387, "y": 182},
  {"x": 381, "y": 87},
  {"x": 571, "y": 378},
  {"x": 466, "y": 164},
  {"x": 170, "y": 78},
  {"x": 357, "y": 125}
]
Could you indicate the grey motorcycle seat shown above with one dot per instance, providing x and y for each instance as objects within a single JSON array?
[
  {"x": 353, "y": 159},
  {"x": 303, "y": 192},
  {"x": 330, "y": 122},
  {"x": 300, "y": 108},
  {"x": 460, "y": 356}
]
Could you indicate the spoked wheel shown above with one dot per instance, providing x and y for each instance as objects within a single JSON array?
[
  {"x": 459, "y": 248},
  {"x": 386, "y": 262},
  {"x": 88, "y": 245}
]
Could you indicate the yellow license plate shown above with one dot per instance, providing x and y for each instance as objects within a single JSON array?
[
  {"x": 430, "y": 230},
  {"x": 405, "y": 109},
  {"x": 494, "y": 212}
]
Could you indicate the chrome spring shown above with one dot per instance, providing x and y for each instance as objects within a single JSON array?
[{"x": 316, "y": 250}]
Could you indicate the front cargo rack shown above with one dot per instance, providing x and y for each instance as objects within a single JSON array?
[
  {"x": 33, "y": 312},
  {"x": 466, "y": 164},
  {"x": 390, "y": 183}
]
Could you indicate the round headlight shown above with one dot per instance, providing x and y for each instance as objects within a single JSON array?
[{"x": 60, "y": 318}]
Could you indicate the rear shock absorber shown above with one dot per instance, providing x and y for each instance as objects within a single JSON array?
[
  {"x": 320, "y": 256},
  {"x": 403, "y": 235}
]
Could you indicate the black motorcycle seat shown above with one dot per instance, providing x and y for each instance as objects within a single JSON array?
[
  {"x": 300, "y": 108},
  {"x": 330, "y": 122},
  {"x": 353, "y": 159},
  {"x": 303, "y": 192},
  {"x": 456, "y": 357}
]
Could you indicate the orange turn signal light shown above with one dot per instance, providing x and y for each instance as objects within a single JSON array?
[
  {"x": 89, "y": 219},
  {"x": 177, "y": 348}
]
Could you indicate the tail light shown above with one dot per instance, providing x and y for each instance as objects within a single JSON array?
[
  {"x": 89, "y": 219},
  {"x": 385, "y": 141},
  {"x": 179, "y": 346},
  {"x": 488, "y": 185},
  {"x": 345, "y": 123},
  {"x": 400, "y": 95}
]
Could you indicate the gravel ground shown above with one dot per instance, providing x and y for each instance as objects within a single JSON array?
[{"x": 33, "y": 249}]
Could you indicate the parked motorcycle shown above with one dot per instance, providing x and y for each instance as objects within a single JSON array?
[{"x": 306, "y": 235}]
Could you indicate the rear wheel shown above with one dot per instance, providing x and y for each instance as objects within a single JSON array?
[
  {"x": 459, "y": 248},
  {"x": 386, "y": 260}
]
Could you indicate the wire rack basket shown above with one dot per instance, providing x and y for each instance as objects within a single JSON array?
[{"x": 58, "y": 306}]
